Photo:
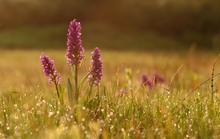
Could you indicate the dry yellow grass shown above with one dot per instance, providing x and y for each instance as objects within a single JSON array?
[{"x": 21, "y": 69}]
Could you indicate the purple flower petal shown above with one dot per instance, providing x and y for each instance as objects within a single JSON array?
[
  {"x": 75, "y": 51},
  {"x": 147, "y": 82},
  {"x": 158, "y": 79},
  {"x": 49, "y": 69},
  {"x": 96, "y": 71}
]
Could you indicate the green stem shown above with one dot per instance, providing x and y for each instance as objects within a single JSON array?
[
  {"x": 81, "y": 83},
  {"x": 98, "y": 92},
  {"x": 76, "y": 83},
  {"x": 58, "y": 94},
  {"x": 90, "y": 90},
  {"x": 89, "y": 93}
]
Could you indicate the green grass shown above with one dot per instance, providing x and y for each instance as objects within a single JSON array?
[
  {"x": 54, "y": 36},
  {"x": 33, "y": 37},
  {"x": 124, "y": 108}
]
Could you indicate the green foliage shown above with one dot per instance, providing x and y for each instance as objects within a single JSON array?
[
  {"x": 188, "y": 21},
  {"x": 34, "y": 37},
  {"x": 70, "y": 91},
  {"x": 167, "y": 16},
  {"x": 47, "y": 37}
]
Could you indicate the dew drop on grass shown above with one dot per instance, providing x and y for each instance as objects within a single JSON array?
[
  {"x": 131, "y": 129},
  {"x": 83, "y": 128},
  {"x": 50, "y": 114},
  {"x": 111, "y": 127},
  {"x": 15, "y": 105},
  {"x": 111, "y": 113},
  {"x": 7, "y": 128},
  {"x": 209, "y": 121},
  {"x": 23, "y": 115},
  {"x": 122, "y": 130},
  {"x": 38, "y": 104}
]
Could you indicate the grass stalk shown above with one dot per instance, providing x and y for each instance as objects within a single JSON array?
[
  {"x": 57, "y": 89},
  {"x": 212, "y": 79},
  {"x": 76, "y": 83}
]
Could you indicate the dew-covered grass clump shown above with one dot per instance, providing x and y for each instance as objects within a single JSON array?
[
  {"x": 117, "y": 112},
  {"x": 108, "y": 94}
]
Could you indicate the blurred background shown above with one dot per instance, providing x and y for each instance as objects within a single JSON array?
[{"x": 109, "y": 24}]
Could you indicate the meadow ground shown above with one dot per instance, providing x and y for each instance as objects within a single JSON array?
[
  {"x": 21, "y": 69},
  {"x": 124, "y": 109}
]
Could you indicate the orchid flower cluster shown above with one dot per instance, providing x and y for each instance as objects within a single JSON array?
[
  {"x": 50, "y": 71},
  {"x": 153, "y": 81},
  {"x": 75, "y": 56}
]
